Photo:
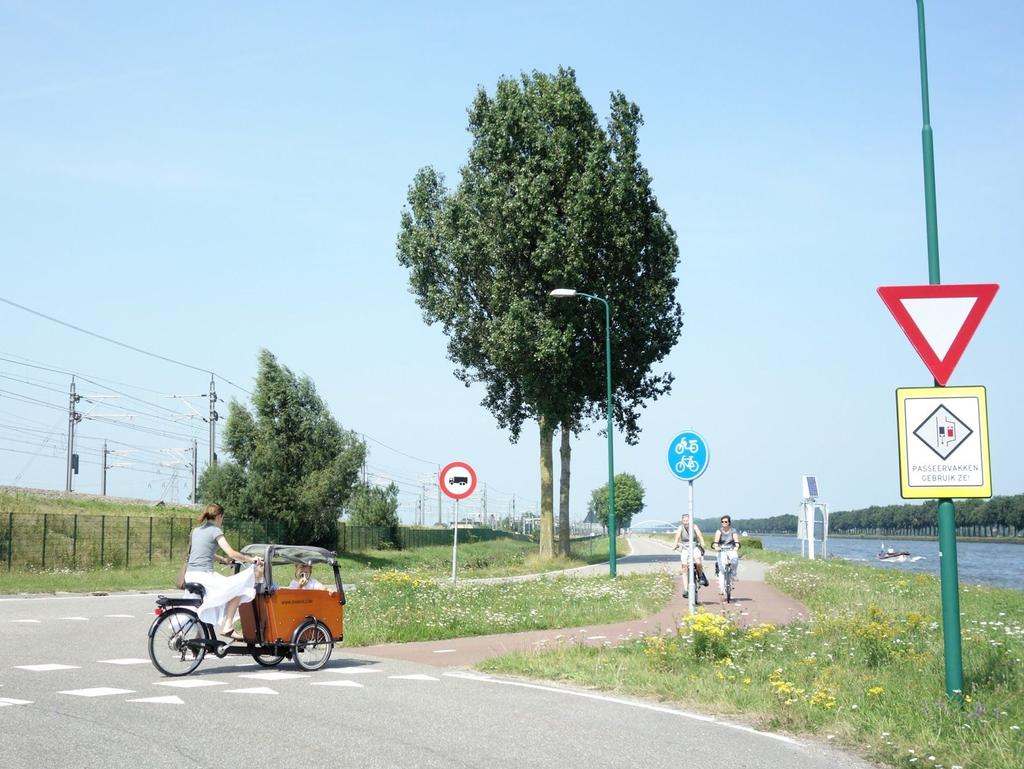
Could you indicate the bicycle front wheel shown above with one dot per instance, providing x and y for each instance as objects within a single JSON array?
[
  {"x": 313, "y": 645},
  {"x": 177, "y": 642}
]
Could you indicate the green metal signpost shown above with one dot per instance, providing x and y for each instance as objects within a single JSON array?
[{"x": 948, "y": 575}]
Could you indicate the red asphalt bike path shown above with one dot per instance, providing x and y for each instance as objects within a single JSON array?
[{"x": 754, "y": 602}]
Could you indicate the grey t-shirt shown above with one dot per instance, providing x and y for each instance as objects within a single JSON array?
[{"x": 204, "y": 545}]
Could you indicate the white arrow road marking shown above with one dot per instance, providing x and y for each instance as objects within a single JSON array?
[
  {"x": 172, "y": 699},
  {"x": 191, "y": 683},
  {"x": 417, "y": 677},
  {"x": 127, "y": 661},
  {"x": 273, "y": 676},
  {"x": 99, "y": 691},
  {"x": 5, "y": 701},
  {"x": 46, "y": 668},
  {"x": 343, "y": 682},
  {"x": 254, "y": 690}
]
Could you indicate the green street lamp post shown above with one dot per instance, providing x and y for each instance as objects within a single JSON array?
[{"x": 565, "y": 293}]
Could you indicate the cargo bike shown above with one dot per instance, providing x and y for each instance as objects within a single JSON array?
[{"x": 279, "y": 623}]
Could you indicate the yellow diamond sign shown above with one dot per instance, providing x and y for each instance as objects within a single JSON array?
[{"x": 943, "y": 435}]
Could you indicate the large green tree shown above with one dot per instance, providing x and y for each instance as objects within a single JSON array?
[
  {"x": 548, "y": 198},
  {"x": 629, "y": 501},
  {"x": 291, "y": 462}
]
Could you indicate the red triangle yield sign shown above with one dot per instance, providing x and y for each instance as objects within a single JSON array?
[{"x": 939, "y": 320}]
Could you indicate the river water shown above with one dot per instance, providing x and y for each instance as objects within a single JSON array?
[{"x": 979, "y": 562}]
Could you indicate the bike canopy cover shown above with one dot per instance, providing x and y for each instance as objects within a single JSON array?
[{"x": 281, "y": 554}]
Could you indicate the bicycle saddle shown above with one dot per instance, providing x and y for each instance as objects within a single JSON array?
[{"x": 198, "y": 593}]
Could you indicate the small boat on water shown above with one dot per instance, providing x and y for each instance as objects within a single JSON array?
[{"x": 897, "y": 556}]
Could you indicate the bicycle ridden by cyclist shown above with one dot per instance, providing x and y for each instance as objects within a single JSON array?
[
  {"x": 727, "y": 545},
  {"x": 682, "y": 538}
]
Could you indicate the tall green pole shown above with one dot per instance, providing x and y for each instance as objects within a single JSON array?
[
  {"x": 948, "y": 573},
  {"x": 612, "y": 529}
]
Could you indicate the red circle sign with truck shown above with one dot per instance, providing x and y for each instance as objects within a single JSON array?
[{"x": 458, "y": 480}]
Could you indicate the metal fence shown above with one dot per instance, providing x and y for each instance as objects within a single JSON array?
[
  {"x": 54, "y": 540},
  {"x": 51, "y": 540}
]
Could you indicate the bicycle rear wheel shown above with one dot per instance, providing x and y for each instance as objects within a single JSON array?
[{"x": 177, "y": 642}]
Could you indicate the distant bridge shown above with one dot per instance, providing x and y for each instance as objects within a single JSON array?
[{"x": 653, "y": 524}]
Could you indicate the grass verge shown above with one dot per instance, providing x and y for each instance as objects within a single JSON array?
[
  {"x": 85, "y": 504},
  {"x": 399, "y": 607},
  {"x": 867, "y": 673},
  {"x": 480, "y": 559}
]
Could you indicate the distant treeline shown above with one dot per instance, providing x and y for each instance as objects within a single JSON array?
[{"x": 1004, "y": 514}]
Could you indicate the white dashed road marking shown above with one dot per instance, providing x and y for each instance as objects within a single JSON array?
[
  {"x": 343, "y": 682},
  {"x": 353, "y": 671},
  {"x": 191, "y": 683},
  {"x": 172, "y": 699},
  {"x": 273, "y": 676},
  {"x": 5, "y": 701},
  {"x": 46, "y": 668},
  {"x": 26, "y": 621},
  {"x": 254, "y": 690},
  {"x": 468, "y": 676},
  {"x": 74, "y": 619},
  {"x": 100, "y": 691},
  {"x": 417, "y": 677},
  {"x": 127, "y": 661},
  {"x": 445, "y": 651},
  {"x": 125, "y": 616}
]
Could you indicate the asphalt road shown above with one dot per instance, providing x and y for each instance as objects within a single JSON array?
[{"x": 77, "y": 690}]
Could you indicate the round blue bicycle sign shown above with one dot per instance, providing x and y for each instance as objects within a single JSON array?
[{"x": 688, "y": 455}]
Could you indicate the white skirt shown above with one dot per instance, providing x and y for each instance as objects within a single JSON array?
[{"x": 220, "y": 590}]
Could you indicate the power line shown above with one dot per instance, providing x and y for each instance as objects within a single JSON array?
[
  {"x": 392, "y": 448},
  {"x": 121, "y": 344},
  {"x": 27, "y": 399},
  {"x": 57, "y": 370},
  {"x": 95, "y": 398},
  {"x": 406, "y": 480}
]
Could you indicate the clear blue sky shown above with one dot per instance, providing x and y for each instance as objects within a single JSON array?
[{"x": 205, "y": 181}]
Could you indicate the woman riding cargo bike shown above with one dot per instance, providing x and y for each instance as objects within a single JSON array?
[{"x": 277, "y": 622}]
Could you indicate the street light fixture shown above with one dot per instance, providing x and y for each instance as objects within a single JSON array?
[{"x": 569, "y": 293}]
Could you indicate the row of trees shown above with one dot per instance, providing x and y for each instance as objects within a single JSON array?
[
  {"x": 997, "y": 511},
  {"x": 548, "y": 198},
  {"x": 1005, "y": 511}
]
